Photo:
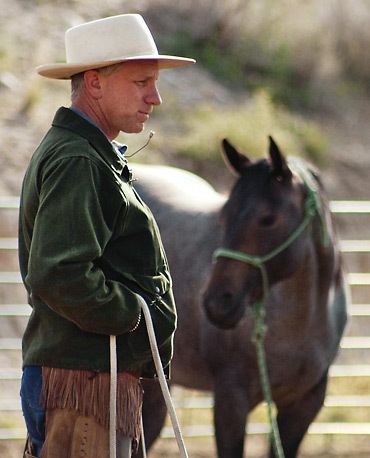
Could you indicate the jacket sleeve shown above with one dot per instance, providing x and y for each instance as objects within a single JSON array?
[{"x": 79, "y": 206}]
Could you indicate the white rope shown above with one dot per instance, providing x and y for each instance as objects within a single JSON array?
[
  {"x": 143, "y": 448},
  {"x": 162, "y": 382},
  {"x": 162, "y": 378},
  {"x": 113, "y": 398}
]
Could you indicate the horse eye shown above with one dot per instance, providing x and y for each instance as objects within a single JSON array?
[{"x": 267, "y": 220}]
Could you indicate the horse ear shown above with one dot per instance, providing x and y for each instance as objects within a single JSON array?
[
  {"x": 235, "y": 160},
  {"x": 279, "y": 163}
]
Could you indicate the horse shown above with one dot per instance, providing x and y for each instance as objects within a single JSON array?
[{"x": 305, "y": 292}]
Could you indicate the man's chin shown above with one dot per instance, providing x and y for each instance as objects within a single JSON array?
[{"x": 134, "y": 129}]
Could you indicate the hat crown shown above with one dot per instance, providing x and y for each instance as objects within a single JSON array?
[{"x": 122, "y": 36}]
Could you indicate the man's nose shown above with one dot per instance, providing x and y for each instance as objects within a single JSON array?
[{"x": 154, "y": 98}]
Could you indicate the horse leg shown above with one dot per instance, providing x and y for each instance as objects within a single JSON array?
[
  {"x": 294, "y": 419},
  {"x": 154, "y": 413},
  {"x": 230, "y": 414}
]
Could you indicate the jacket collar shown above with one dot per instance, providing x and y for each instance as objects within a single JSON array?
[{"x": 68, "y": 119}]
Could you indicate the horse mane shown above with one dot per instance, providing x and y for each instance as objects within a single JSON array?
[{"x": 314, "y": 186}]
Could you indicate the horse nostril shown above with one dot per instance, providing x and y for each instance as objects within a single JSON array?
[
  {"x": 226, "y": 298},
  {"x": 222, "y": 309},
  {"x": 220, "y": 302}
]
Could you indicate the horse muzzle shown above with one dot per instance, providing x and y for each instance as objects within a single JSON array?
[{"x": 223, "y": 309}]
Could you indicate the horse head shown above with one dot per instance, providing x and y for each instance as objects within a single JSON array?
[{"x": 267, "y": 204}]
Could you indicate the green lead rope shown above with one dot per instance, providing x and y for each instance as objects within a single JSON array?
[{"x": 258, "y": 338}]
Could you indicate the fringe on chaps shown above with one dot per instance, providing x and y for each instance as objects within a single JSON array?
[{"x": 87, "y": 393}]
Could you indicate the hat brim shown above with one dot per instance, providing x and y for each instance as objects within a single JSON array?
[{"x": 66, "y": 71}]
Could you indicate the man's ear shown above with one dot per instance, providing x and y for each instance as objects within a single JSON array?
[{"x": 92, "y": 79}]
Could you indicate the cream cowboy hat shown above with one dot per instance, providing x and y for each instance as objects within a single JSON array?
[{"x": 108, "y": 41}]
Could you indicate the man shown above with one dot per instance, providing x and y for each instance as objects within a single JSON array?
[{"x": 88, "y": 246}]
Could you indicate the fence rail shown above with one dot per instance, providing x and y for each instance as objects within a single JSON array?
[
  {"x": 206, "y": 402},
  {"x": 336, "y": 206},
  {"x": 188, "y": 402}
]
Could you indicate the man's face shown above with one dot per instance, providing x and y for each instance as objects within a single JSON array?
[{"x": 129, "y": 95}]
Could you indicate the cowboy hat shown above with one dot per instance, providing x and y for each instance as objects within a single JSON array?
[{"x": 108, "y": 41}]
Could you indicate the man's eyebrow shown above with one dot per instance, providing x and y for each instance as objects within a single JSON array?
[
  {"x": 145, "y": 75},
  {"x": 145, "y": 78}
]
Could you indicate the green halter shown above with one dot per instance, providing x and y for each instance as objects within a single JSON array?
[{"x": 312, "y": 206}]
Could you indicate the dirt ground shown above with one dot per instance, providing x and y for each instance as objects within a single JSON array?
[{"x": 204, "y": 448}]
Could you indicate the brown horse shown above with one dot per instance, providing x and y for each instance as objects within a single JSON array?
[{"x": 305, "y": 302}]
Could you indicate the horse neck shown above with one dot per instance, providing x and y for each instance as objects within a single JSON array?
[{"x": 211, "y": 232}]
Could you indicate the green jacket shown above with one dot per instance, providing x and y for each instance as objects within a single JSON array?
[{"x": 87, "y": 244}]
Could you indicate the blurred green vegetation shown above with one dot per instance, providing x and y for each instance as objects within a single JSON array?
[
  {"x": 248, "y": 126},
  {"x": 236, "y": 67},
  {"x": 293, "y": 49},
  {"x": 295, "y": 59}
]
